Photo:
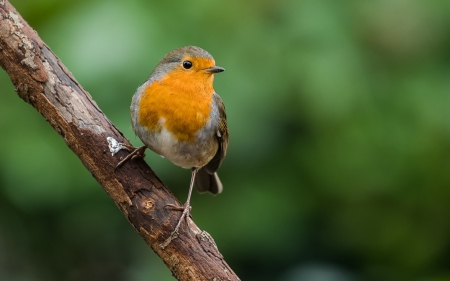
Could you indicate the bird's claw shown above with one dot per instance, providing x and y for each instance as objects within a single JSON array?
[
  {"x": 177, "y": 208},
  {"x": 135, "y": 153}
]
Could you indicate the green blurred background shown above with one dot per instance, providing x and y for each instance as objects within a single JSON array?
[{"x": 338, "y": 167}]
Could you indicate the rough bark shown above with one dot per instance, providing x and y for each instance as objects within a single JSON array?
[{"x": 43, "y": 81}]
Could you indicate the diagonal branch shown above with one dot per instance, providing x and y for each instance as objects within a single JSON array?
[{"x": 43, "y": 81}]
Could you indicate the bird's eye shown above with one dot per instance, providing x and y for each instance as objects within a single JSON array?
[{"x": 187, "y": 64}]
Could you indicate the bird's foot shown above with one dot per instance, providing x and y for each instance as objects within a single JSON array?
[
  {"x": 135, "y": 153},
  {"x": 186, "y": 209}
]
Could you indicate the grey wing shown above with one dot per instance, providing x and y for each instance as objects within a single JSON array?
[
  {"x": 222, "y": 138},
  {"x": 207, "y": 179}
]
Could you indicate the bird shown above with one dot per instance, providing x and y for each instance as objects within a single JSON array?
[{"x": 177, "y": 114}]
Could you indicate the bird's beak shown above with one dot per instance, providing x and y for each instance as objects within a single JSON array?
[{"x": 214, "y": 69}]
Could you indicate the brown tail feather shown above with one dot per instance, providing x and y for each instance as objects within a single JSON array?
[{"x": 205, "y": 181}]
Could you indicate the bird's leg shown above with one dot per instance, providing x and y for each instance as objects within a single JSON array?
[
  {"x": 186, "y": 207},
  {"x": 135, "y": 152}
]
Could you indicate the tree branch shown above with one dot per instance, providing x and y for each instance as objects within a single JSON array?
[{"x": 43, "y": 81}]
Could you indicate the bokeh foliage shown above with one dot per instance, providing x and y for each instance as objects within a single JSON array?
[{"x": 339, "y": 161}]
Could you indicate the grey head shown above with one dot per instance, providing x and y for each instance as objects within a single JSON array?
[
  {"x": 178, "y": 54},
  {"x": 175, "y": 57}
]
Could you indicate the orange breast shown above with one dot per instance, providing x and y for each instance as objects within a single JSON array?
[{"x": 183, "y": 99}]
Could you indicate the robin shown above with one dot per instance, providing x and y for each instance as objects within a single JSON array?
[{"x": 178, "y": 115}]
